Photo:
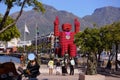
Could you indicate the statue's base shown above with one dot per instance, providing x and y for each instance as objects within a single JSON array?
[{"x": 91, "y": 77}]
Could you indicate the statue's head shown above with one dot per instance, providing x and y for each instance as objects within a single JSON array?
[{"x": 66, "y": 27}]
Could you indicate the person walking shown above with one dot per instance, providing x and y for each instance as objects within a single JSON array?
[
  {"x": 64, "y": 67},
  {"x": 51, "y": 66},
  {"x": 58, "y": 67},
  {"x": 72, "y": 64}
]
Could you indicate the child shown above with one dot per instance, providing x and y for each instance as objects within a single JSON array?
[{"x": 51, "y": 66}]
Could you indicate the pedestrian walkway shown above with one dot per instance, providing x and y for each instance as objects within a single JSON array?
[
  {"x": 45, "y": 69},
  {"x": 57, "y": 77},
  {"x": 45, "y": 75}
]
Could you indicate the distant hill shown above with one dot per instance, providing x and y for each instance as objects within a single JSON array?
[
  {"x": 104, "y": 15},
  {"x": 44, "y": 22}
]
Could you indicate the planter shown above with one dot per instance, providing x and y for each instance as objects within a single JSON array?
[{"x": 91, "y": 77}]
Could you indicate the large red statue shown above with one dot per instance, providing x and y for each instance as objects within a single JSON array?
[{"x": 66, "y": 37}]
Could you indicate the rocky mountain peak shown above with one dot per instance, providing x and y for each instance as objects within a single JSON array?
[{"x": 101, "y": 16}]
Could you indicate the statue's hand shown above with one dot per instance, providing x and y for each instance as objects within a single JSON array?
[
  {"x": 76, "y": 22},
  {"x": 56, "y": 22}
]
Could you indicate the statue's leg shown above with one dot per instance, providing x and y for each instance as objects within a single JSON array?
[
  {"x": 72, "y": 50},
  {"x": 64, "y": 48}
]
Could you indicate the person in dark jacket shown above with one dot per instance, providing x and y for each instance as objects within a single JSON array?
[
  {"x": 64, "y": 66},
  {"x": 33, "y": 69},
  {"x": 58, "y": 67},
  {"x": 72, "y": 64}
]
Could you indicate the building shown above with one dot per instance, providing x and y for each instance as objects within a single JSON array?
[
  {"x": 45, "y": 39},
  {"x": 2, "y": 46},
  {"x": 22, "y": 43},
  {"x": 11, "y": 46}
]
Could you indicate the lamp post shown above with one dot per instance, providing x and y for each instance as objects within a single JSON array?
[{"x": 37, "y": 33}]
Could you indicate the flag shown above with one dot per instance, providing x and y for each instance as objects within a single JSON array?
[{"x": 26, "y": 29}]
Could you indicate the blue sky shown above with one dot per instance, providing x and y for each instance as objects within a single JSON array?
[{"x": 77, "y": 7}]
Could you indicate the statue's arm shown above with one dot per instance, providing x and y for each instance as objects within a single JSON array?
[
  {"x": 76, "y": 25},
  {"x": 56, "y": 27}
]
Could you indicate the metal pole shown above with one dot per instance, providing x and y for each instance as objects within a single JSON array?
[
  {"x": 24, "y": 45},
  {"x": 24, "y": 39},
  {"x": 36, "y": 39}
]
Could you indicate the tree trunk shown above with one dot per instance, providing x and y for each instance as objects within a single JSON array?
[
  {"x": 5, "y": 17},
  {"x": 91, "y": 64},
  {"x": 98, "y": 59},
  {"x": 116, "y": 67}
]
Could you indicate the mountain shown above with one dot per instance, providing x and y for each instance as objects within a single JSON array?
[
  {"x": 44, "y": 22},
  {"x": 103, "y": 16}
]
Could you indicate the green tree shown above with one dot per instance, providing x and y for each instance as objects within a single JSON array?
[
  {"x": 9, "y": 33},
  {"x": 93, "y": 40},
  {"x": 20, "y": 3},
  {"x": 89, "y": 40},
  {"x": 115, "y": 32},
  {"x": 20, "y": 49}
]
